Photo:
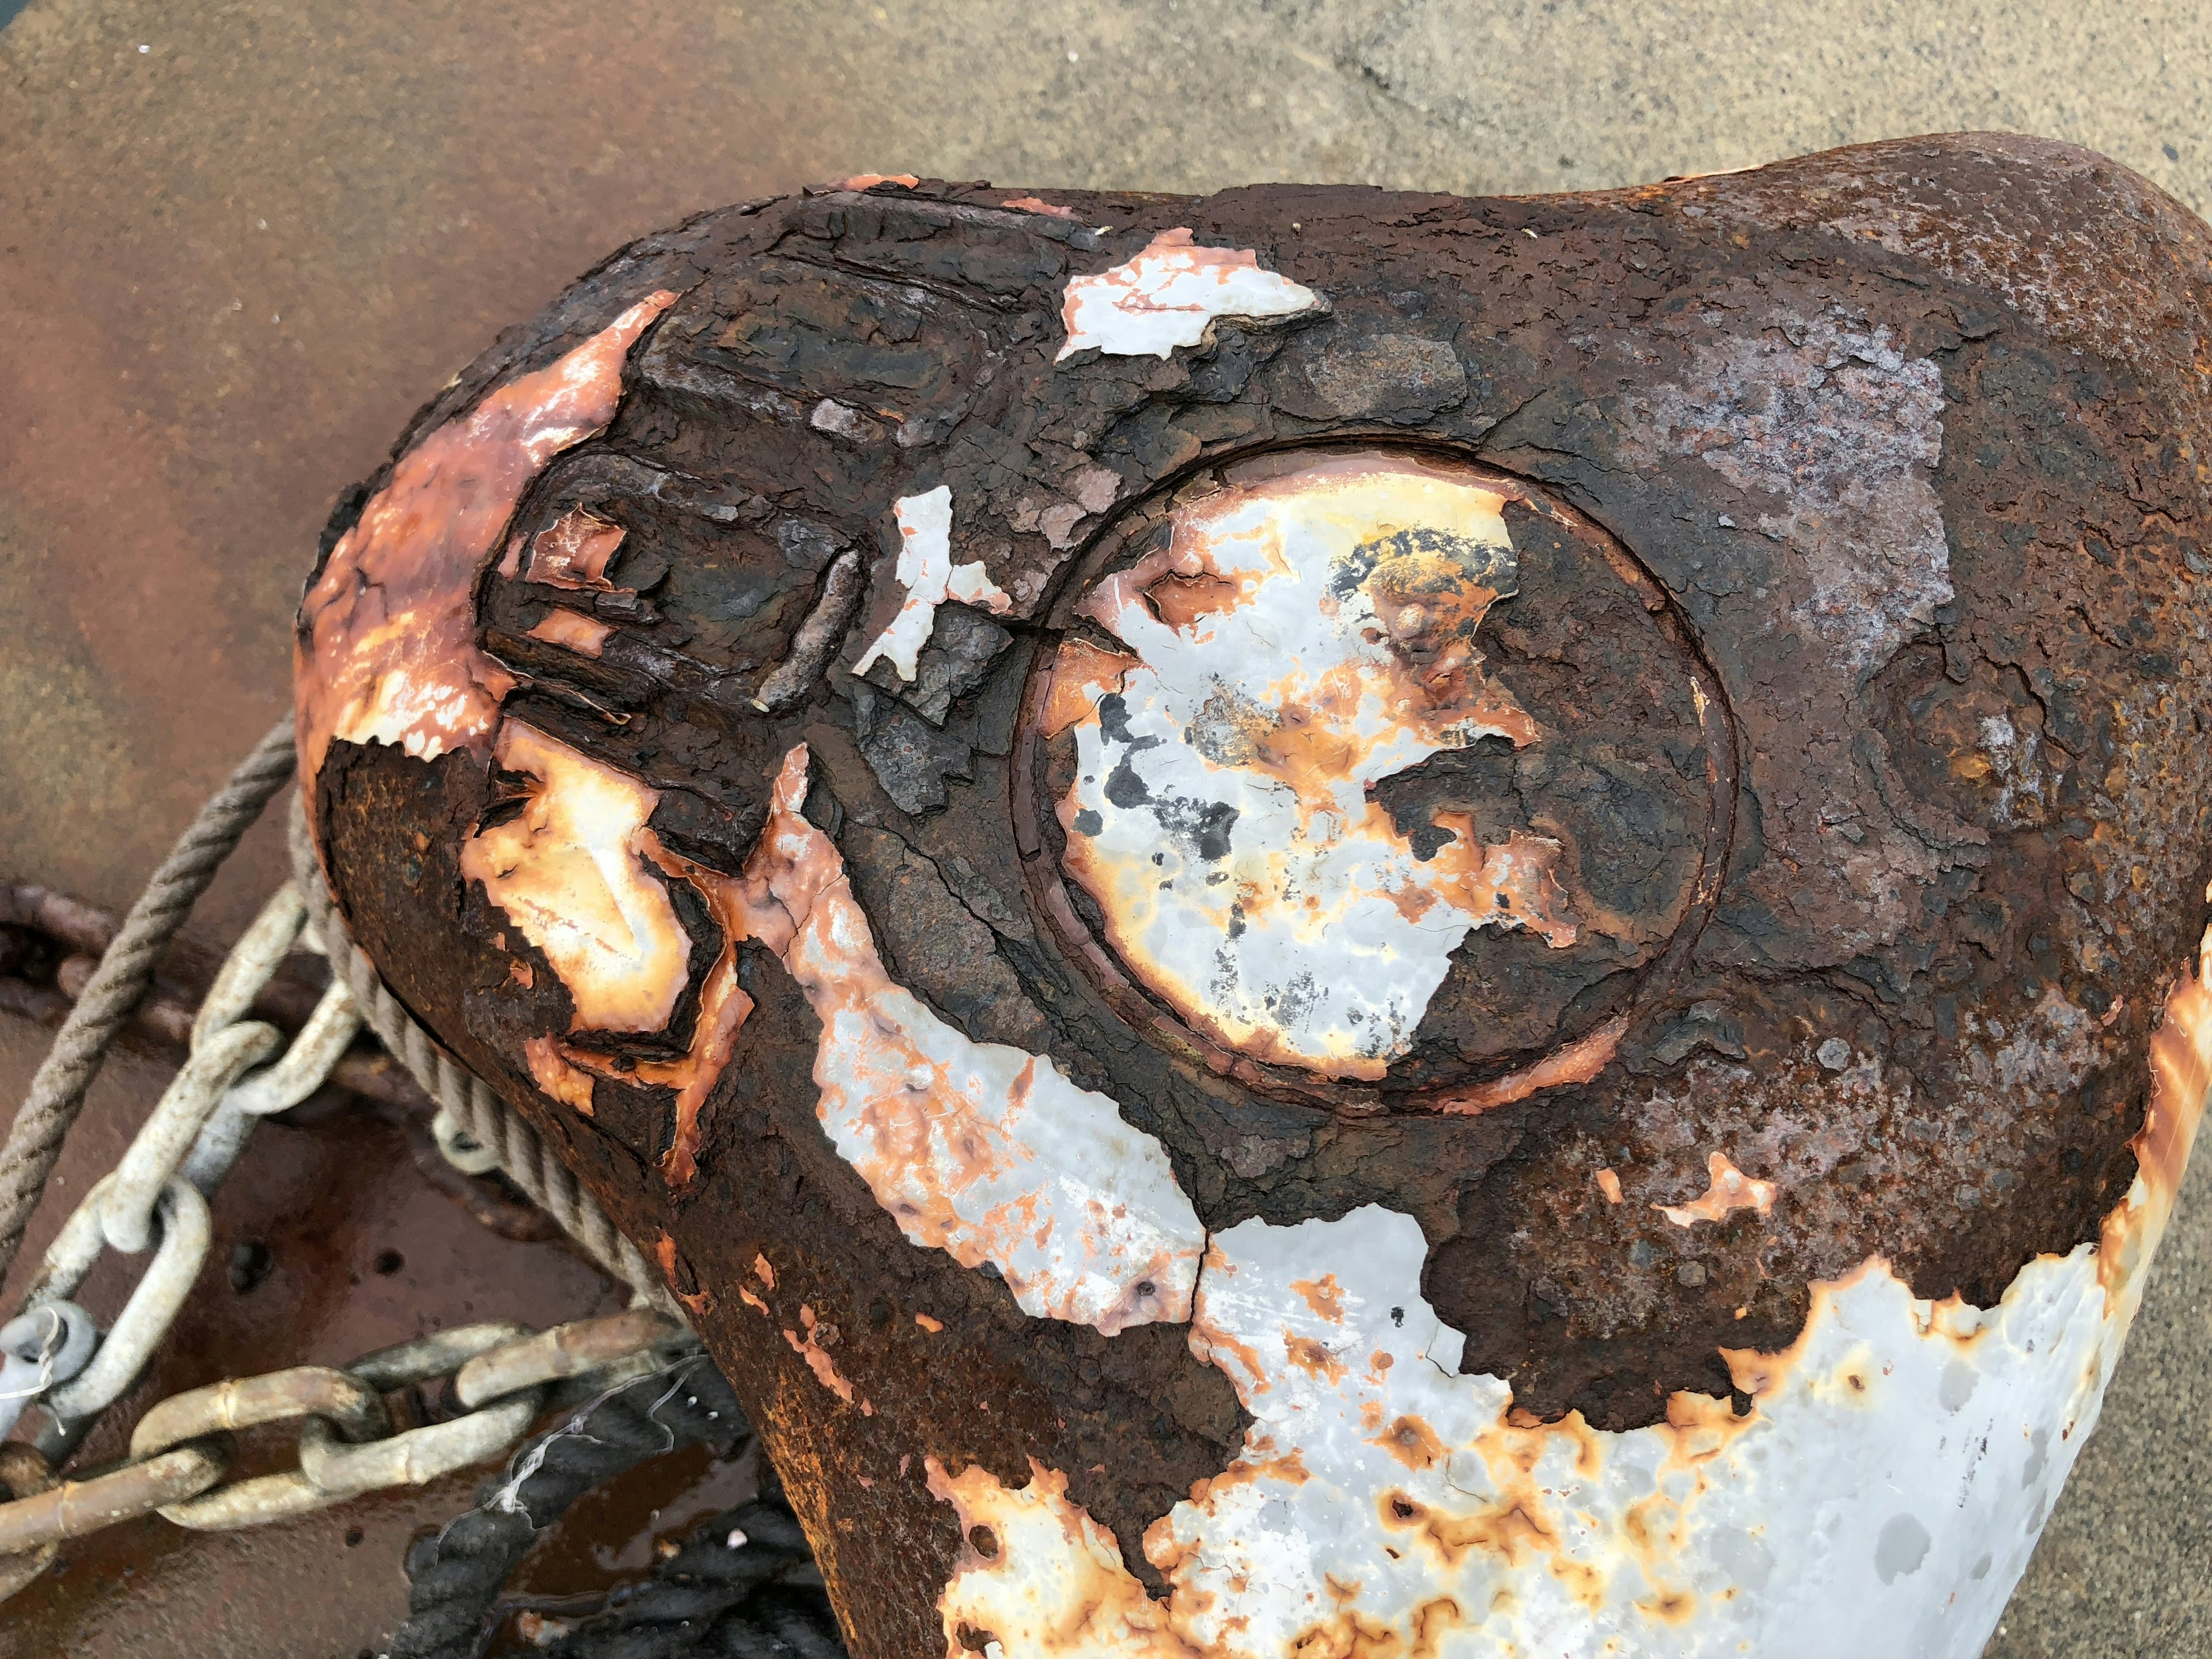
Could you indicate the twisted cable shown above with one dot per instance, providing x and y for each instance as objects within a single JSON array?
[{"x": 126, "y": 969}]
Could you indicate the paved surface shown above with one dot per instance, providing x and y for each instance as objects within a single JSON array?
[{"x": 239, "y": 242}]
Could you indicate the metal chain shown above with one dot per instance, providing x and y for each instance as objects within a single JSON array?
[
  {"x": 503, "y": 1376},
  {"x": 155, "y": 1198},
  {"x": 158, "y": 1192}
]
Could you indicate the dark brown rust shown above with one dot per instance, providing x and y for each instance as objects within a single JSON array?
[{"x": 1904, "y": 441}]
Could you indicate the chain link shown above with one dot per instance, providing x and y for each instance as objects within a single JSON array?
[
  {"x": 501, "y": 1376},
  {"x": 504, "y": 1376}
]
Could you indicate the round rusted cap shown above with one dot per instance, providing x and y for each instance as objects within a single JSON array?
[{"x": 1371, "y": 767}]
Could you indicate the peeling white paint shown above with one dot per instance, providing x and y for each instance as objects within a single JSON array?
[
  {"x": 926, "y": 570},
  {"x": 985, "y": 1151},
  {"x": 1170, "y": 293},
  {"x": 1304, "y": 635},
  {"x": 1883, "y": 1495}
]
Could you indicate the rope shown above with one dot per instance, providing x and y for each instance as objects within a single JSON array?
[
  {"x": 126, "y": 969},
  {"x": 486, "y": 1119},
  {"x": 711, "y": 1588}
]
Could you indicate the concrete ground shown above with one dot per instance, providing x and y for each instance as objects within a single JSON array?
[{"x": 239, "y": 242}]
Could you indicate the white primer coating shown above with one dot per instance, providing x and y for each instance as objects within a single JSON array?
[
  {"x": 1883, "y": 1496},
  {"x": 926, "y": 570},
  {"x": 1168, "y": 294},
  {"x": 1221, "y": 814},
  {"x": 982, "y": 1151}
]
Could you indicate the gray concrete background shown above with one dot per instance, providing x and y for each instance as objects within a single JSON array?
[{"x": 239, "y": 242}]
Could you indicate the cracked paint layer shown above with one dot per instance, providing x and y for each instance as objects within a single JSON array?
[
  {"x": 1884, "y": 1492},
  {"x": 1169, "y": 293},
  {"x": 1302, "y": 635},
  {"x": 985, "y": 1151},
  {"x": 926, "y": 570},
  {"x": 387, "y": 651}
]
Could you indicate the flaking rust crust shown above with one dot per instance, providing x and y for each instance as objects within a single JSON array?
[{"x": 1857, "y": 508}]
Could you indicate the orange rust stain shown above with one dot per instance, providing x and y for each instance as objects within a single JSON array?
[
  {"x": 1081, "y": 674},
  {"x": 1578, "y": 1062},
  {"x": 572, "y": 630},
  {"x": 521, "y": 973},
  {"x": 1514, "y": 880},
  {"x": 1729, "y": 1190},
  {"x": 1055, "y": 1582},
  {"x": 1412, "y": 1442},
  {"x": 1323, "y": 1295},
  {"x": 573, "y": 552},
  {"x": 1312, "y": 1357},
  {"x": 1609, "y": 1184},
  {"x": 928, "y": 1324},
  {"x": 386, "y": 648},
  {"x": 556, "y": 1076},
  {"x": 1032, "y": 204},
  {"x": 575, "y": 871},
  {"x": 1669, "y": 1607}
]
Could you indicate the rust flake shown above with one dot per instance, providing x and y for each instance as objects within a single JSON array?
[{"x": 572, "y": 630}]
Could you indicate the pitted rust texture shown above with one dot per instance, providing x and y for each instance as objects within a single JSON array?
[{"x": 1921, "y": 493}]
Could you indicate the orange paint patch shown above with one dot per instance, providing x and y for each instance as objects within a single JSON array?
[
  {"x": 1578, "y": 1062},
  {"x": 823, "y": 1367},
  {"x": 1609, "y": 1184},
  {"x": 701, "y": 1302},
  {"x": 387, "y": 651},
  {"x": 556, "y": 1076},
  {"x": 1323, "y": 1295},
  {"x": 870, "y": 180},
  {"x": 750, "y": 1300},
  {"x": 1032, "y": 205},
  {"x": 572, "y": 630},
  {"x": 763, "y": 1272},
  {"x": 927, "y": 1323},
  {"x": 1730, "y": 1190}
]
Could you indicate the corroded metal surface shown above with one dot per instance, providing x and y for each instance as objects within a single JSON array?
[{"x": 1705, "y": 607}]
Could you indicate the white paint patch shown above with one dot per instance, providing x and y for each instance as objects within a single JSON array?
[
  {"x": 985, "y": 1151},
  {"x": 1303, "y": 636},
  {"x": 926, "y": 570},
  {"x": 1883, "y": 1496},
  {"x": 570, "y": 871},
  {"x": 1168, "y": 294}
]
